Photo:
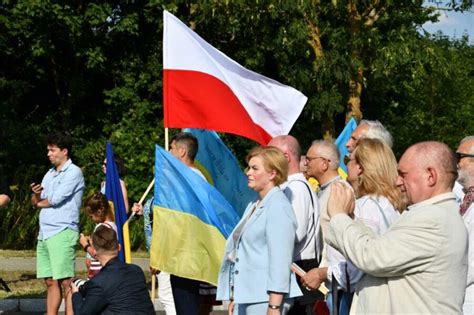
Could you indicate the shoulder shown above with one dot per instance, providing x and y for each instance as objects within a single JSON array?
[{"x": 73, "y": 169}]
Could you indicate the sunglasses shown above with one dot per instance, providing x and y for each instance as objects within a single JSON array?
[{"x": 460, "y": 155}]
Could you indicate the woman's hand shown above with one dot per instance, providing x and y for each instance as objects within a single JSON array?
[{"x": 84, "y": 240}]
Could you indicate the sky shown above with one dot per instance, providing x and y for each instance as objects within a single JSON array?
[{"x": 453, "y": 24}]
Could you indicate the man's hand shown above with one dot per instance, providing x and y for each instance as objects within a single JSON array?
[
  {"x": 74, "y": 289},
  {"x": 36, "y": 196},
  {"x": 313, "y": 278},
  {"x": 341, "y": 200},
  {"x": 137, "y": 208},
  {"x": 154, "y": 271}
]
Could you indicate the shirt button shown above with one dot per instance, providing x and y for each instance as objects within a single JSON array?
[
  {"x": 237, "y": 260},
  {"x": 236, "y": 272}
]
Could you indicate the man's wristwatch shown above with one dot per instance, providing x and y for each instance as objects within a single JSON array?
[{"x": 274, "y": 307}]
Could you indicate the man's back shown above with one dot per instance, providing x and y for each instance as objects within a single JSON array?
[{"x": 118, "y": 288}]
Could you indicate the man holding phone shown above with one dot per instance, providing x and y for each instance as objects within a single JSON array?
[{"x": 59, "y": 197}]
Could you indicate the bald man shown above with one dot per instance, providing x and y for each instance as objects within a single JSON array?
[
  {"x": 419, "y": 265},
  {"x": 465, "y": 156},
  {"x": 306, "y": 207}
]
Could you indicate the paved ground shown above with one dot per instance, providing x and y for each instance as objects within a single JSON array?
[{"x": 37, "y": 306}]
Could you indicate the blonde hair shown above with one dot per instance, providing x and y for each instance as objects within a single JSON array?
[
  {"x": 379, "y": 171},
  {"x": 273, "y": 160}
]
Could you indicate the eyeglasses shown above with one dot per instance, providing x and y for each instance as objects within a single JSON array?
[
  {"x": 460, "y": 155},
  {"x": 309, "y": 159},
  {"x": 347, "y": 159}
]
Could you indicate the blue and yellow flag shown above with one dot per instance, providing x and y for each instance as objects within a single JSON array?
[
  {"x": 221, "y": 168},
  {"x": 113, "y": 191},
  {"x": 192, "y": 221},
  {"x": 341, "y": 144}
]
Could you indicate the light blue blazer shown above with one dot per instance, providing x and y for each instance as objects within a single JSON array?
[{"x": 264, "y": 253}]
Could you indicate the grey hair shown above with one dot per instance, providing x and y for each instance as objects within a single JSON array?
[
  {"x": 468, "y": 139},
  {"x": 330, "y": 151},
  {"x": 377, "y": 131}
]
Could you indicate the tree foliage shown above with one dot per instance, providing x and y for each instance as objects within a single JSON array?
[{"x": 93, "y": 69}]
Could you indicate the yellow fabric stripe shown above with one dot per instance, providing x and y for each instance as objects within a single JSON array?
[
  {"x": 184, "y": 246},
  {"x": 126, "y": 243}
]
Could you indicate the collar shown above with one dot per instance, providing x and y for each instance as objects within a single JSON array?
[
  {"x": 327, "y": 184},
  {"x": 64, "y": 168},
  {"x": 434, "y": 200}
]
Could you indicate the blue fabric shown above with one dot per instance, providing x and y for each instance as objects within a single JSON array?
[
  {"x": 113, "y": 191},
  {"x": 222, "y": 165},
  {"x": 342, "y": 140},
  {"x": 148, "y": 222},
  {"x": 263, "y": 252},
  {"x": 344, "y": 306},
  {"x": 64, "y": 191},
  {"x": 179, "y": 188}
]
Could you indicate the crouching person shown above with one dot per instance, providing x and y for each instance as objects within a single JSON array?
[{"x": 117, "y": 288}]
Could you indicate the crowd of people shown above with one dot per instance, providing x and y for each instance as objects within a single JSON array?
[{"x": 393, "y": 238}]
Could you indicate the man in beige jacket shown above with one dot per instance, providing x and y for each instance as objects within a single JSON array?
[{"x": 419, "y": 265}]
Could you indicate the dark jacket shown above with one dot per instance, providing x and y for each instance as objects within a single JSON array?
[{"x": 118, "y": 288}]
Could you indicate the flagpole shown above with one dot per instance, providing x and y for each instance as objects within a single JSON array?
[
  {"x": 153, "y": 283},
  {"x": 150, "y": 186},
  {"x": 167, "y": 140}
]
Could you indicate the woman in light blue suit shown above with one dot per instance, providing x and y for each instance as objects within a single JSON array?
[{"x": 255, "y": 273}]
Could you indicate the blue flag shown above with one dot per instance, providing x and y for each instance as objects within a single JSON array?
[
  {"x": 342, "y": 140},
  {"x": 192, "y": 221},
  {"x": 113, "y": 191},
  {"x": 223, "y": 168}
]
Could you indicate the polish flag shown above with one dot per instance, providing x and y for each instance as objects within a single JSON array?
[{"x": 203, "y": 88}]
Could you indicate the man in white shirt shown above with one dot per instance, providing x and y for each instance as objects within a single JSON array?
[
  {"x": 419, "y": 265},
  {"x": 465, "y": 158},
  {"x": 305, "y": 205},
  {"x": 322, "y": 161}
]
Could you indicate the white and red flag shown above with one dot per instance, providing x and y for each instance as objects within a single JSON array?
[{"x": 203, "y": 88}]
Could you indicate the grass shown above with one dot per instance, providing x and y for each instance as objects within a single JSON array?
[{"x": 23, "y": 284}]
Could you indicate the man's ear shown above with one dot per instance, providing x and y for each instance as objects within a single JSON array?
[{"x": 432, "y": 176}]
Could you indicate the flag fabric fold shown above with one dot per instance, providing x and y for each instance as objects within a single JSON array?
[
  {"x": 216, "y": 161},
  {"x": 113, "y": 191},
  {"x": 341, "y": 141},
  {"x": 192, "y": 221},
  {"x": 203, "y": 88}
]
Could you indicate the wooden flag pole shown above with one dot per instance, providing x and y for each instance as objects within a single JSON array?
[{"x": 153, "y": 284}]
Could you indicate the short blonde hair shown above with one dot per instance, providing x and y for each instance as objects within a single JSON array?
[
  {"x": 379, "y": 171},
  {"x": 273, "y": 160}
]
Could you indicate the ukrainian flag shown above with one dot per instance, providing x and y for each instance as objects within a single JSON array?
[
  {"x": 341, "y": 144},
  {"x": 113, "y": 191},
  {"x": 221, "y": 168},
  {"x": 192, "y": 221}
]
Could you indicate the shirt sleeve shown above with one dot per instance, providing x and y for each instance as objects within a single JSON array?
[
  {"x": 92, "y": 301},
  {"x": 280, "y": 234},
  {"x": 404, "y": 249}
]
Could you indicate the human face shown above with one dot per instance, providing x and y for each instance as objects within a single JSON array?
[
  {"x": 95, "y": 217},
  {"x": 258, "y": 178},
  {"x": 104, "y": 166},
  {"x": 56, "y": 156},
  {"x": 411, "y": 179},
  {"x": 316, "y": 165},
  {"x": 177, "y": 151},
  {"x": 466, "y": 164},
  {"x": 359, "y": 132},
  {"x": 354, "y": 170}
]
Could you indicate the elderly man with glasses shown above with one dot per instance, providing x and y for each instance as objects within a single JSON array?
[
  {"x": 322, "y": 163},
  {"x": 465, "y": 158}
]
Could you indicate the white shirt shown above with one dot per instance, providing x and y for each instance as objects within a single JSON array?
[
  {"x": 468, "y": 306},
  {"x": 377, "y": 213},
  {"x": 306, "y": 207}
]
